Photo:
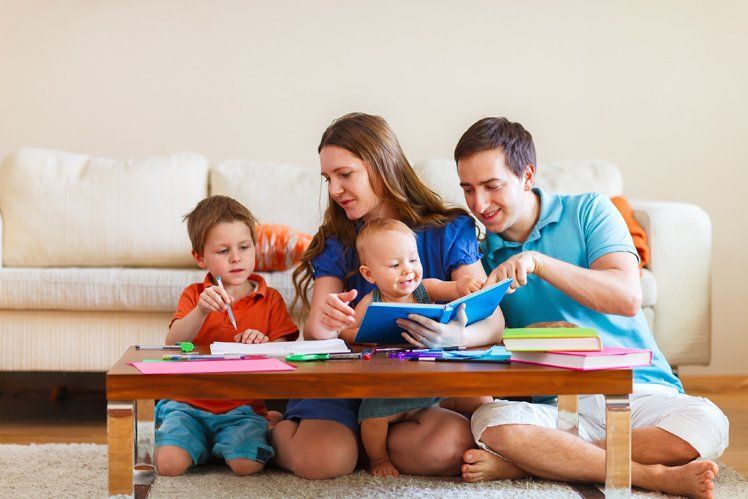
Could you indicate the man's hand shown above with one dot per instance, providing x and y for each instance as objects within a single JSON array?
[
  {"x": 251, "y": 336},
  {"x": 213, "y": 299},
  {"x": 468, "y": 284},
  {"x": 518, "y": 268},
  {"x": 423, "y": 332}
]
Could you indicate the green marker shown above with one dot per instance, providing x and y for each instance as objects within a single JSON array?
[{"x": 184, "y": 346}]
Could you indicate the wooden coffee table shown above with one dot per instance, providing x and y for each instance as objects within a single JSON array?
[{"x": 130, "y": 398}]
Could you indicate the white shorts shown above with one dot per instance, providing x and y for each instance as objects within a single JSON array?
[{"x": 694, "y": 419}]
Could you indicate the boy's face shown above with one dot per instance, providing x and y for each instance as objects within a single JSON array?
[
  {"x": 228, "y": 252},
  {"x": 392, "y": 263},
  {"x": 494, "y": 193}
]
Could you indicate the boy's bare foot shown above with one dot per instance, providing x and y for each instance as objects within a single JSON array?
[
  {"x": 693, "y": 479},
  {"x": 481, "y": 466},
  {"x": 274, "y": 417},
  {"x": 383, "y": 468}
]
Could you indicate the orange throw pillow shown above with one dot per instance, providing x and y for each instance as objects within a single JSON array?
[
  {"x": 636, "y": 230},
  {"x": 279, "y": 247}
]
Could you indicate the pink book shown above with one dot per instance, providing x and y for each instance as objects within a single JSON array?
[
  {"x": 607, "y": 358},
  {"x": 212, "y": 366}
]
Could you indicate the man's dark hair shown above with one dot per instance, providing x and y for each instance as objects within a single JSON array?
[{"x": 499, "y": 133}]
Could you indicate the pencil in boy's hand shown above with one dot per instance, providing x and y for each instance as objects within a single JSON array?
[{"x": 228, "y": 305}]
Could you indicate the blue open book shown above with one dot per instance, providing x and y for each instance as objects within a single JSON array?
[{"x": 379, "y": 324}]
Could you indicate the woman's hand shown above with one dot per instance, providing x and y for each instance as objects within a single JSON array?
[
  {"x": 335, "y": 312},
  {"x": 251, "y": 336},
  {"x": 423, "y": 332}
]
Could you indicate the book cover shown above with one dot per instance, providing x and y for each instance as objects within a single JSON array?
[
  {"x": 546, "y": 339},
  {"x": 550, "y": 332},
  {"x": 607, "y": 358},
  {"x": 379, "y": 326}
]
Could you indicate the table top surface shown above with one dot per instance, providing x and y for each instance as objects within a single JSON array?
[{"x": 378, "y": 377}]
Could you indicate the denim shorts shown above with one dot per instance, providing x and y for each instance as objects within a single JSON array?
[
  {"x": 343, "y": 411},
  {"x": 239, "y": 433}
]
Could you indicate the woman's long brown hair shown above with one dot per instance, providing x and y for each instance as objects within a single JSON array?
[{"x": 392, "y": 178}]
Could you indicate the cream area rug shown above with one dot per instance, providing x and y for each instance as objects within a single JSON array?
[{"x": 80, "y": 471}]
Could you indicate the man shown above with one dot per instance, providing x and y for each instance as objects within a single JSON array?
[{"x": 572, "y": 259}]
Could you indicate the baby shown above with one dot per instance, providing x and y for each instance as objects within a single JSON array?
[{"x": 389, "y": 259}]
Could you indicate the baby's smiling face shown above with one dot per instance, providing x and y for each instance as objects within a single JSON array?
[{"x": 390, "y": 260}]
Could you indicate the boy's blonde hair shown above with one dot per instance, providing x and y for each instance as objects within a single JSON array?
[
  {"x": 375, "y": 227},
  {"x": 212, "y": 211}
]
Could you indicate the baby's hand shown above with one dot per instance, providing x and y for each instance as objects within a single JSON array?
[
  {"x": 468, "y": 284},
  {"x": 383, "y": 468},
  {"x": 214, "y": 299},
  {"x": 251, "y": 336}
]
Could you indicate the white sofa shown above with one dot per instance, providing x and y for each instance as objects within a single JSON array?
[{"x": 94, "y": 253}]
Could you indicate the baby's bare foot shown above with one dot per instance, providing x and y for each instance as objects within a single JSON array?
[{"x": 383, "y": 468}]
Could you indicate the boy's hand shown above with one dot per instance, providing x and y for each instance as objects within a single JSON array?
[
  {"x": 251, "y": 336},
  {"x": 214, "y": 299},
  {"x": 468, "y": 284}
]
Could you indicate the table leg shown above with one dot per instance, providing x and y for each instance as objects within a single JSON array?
[
  {"x": 618, "y": 445},
  {"x": 568, "y": 414},
  {"x": 121, "y": 446},
  {"x": 144, "y": 442}
]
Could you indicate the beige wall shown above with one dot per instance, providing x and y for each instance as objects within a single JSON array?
[{"x": 660, "y": 88}]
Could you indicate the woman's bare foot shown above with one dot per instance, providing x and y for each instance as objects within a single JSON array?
[
  {"x": 274, "y": 417},
  {"x": 693, "y": 479},
  {"x": 383, "y": 468},
  {"x": 481, "y": 466}
]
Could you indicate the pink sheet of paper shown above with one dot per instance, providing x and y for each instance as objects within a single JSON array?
[{"x": 212, "y": 366}]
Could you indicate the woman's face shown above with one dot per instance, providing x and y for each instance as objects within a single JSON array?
[{"x": 348, "y": 183}]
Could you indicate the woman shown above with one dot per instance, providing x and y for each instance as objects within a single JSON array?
[{"x": 369, "y": 177}]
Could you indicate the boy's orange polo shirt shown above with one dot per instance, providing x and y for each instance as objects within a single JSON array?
[{"x": 263, "y": 310}]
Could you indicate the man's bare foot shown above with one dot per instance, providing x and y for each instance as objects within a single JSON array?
[
  {"x": 693, "y": 479},
  {"x": 481, "y": 466},
  {"x": 383, "y": 468},
  {"x": 274, "y": 417}
]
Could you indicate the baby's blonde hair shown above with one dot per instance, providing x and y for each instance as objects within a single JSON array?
[{"x": 375, "y": 227}]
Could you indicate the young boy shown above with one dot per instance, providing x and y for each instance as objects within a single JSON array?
[
  {"x": 389, "y": 258},
  {"x": 223, "y": 236}
]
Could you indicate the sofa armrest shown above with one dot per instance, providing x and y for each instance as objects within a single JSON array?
[{"x": 680, "y": 241}]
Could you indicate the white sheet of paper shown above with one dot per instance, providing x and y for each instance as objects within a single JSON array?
[{"x": 281, "y": 348}]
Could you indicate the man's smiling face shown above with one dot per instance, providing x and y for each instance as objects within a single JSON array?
[{"x": 493, "y": 193}]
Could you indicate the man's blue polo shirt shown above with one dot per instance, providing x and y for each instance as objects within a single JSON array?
[{"x": 577, "y": 230}]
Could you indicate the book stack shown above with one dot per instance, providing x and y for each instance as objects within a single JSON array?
[{"x": 570, "y": 348}]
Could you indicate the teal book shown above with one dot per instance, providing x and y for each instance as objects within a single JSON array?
[{"x": 379, "y": 326}]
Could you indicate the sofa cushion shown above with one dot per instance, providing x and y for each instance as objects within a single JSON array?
[
  {"x": 100, "y": 289},
  {"x": 274, "y": 193},
  {"x": 579, "y": 176},
  {"x": 107, "y": 289},
  {"x": 62, "y": 209}
]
